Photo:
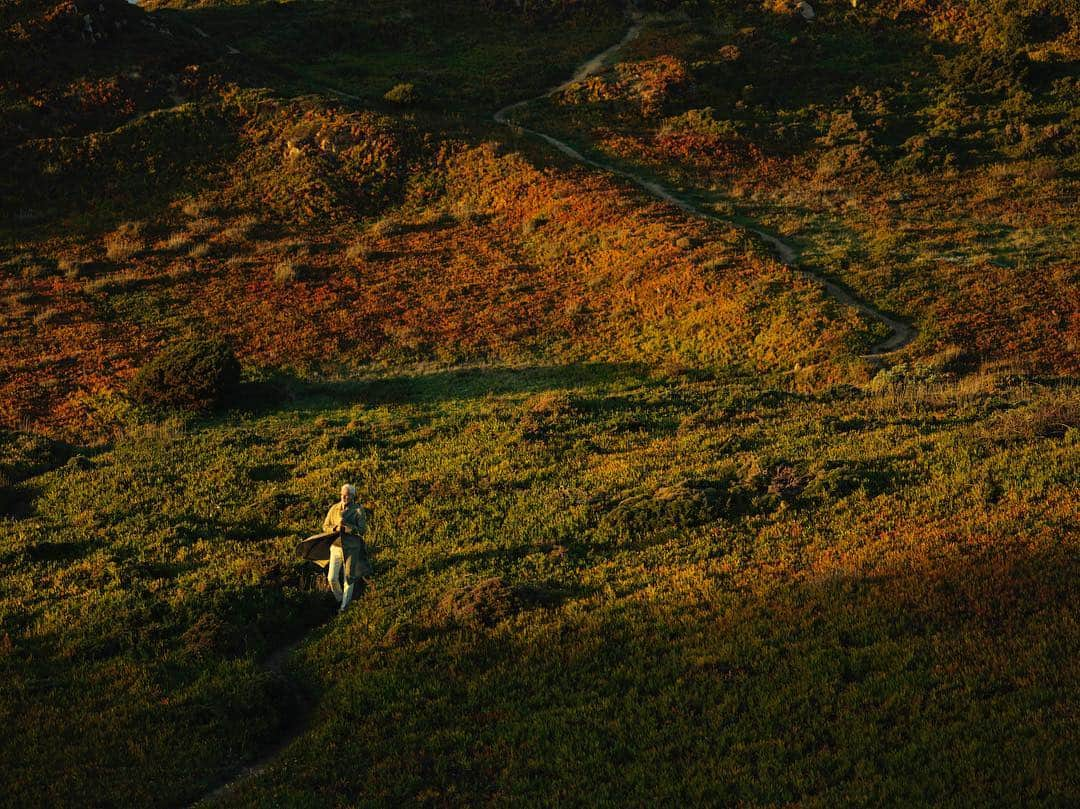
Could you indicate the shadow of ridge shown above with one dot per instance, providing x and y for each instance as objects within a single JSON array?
[
  {"x": 978, "y": 643},
  {"x": 455, "y": 384}
]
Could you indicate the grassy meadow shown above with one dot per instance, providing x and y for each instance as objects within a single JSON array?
[
  {"x": 594, "y": 583},
  {"x": 649, "y": 524}
]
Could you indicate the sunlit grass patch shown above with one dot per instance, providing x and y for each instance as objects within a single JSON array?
[
  {"x": 175, "y": 242},
  {"x": 241, "y": 231},
  {"x": 288, "y": 271},
  {"x": 126, "y": 242}
]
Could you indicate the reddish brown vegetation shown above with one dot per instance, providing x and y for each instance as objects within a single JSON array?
[
  {"x": 524, "y": 262},
  {"x": 650, "y": 84}
]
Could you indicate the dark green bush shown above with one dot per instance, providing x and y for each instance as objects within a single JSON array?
[{"x": 192, "y": 374}]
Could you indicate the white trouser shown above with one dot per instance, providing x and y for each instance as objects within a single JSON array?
[{"x": 333, "y": 575}]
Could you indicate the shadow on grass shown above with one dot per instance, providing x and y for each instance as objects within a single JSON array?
[
  {"x": 460, "y": 54},
  {"x": 455, "y": 384},
  {"x": 913, "y": 683}
]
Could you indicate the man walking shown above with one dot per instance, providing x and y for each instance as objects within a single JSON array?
[{"x": 347, "y": 519}]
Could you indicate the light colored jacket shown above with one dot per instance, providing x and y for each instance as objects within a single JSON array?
[{"x": 352, "y": 519}]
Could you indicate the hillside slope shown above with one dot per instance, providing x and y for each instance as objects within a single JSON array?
[
  {"x": 924, "y": 154},
  {"x": 649, "y": 525}
]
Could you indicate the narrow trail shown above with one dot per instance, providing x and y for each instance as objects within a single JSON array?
[
  {"x": 296, "y": 724},
  {"x": 901, "y": 333}
]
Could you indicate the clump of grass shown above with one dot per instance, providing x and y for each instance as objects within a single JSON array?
[
  {"x": 117, "y": 282},
  {"x": 437, "y": 219},
  {"x": 545, "y": 413},
  {"x": 119, "y": 248},
  {"x": 200, "y": 250},
  {"x": 29, "y": 267},
  {"x": 21, "y": 298},
  {"x": 47, "y": 316},
  {"x": 73, "y": 268},
  {"x": 474, "y": 606},
  {"x": 385, "y": 228},
  {"x": 285, "y": 247},
  {"x": 1052, "y": 417},
  {"x": 533, "y": 224},
  {"x": 202, "y": 226},
  {"x": 175, "y": 243},
  {"x": 287, "y": 272},
  {"x": 241, "y": 230},
  {"x": 193, "y": 207},
  {"x": 34, "y": 271},
  {"x": 125, "y": 242},
  {"x": 685, "y": 504},
  {"x": 1044, "y": 171},
  {"x": 210, "y": 637},
  {"x": 404, "y": 94},
  {"x": 358, "y": 251},
  {"x": 472, "y": 215}
]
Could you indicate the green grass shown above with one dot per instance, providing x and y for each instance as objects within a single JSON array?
[{"x": 885, "y": 620}]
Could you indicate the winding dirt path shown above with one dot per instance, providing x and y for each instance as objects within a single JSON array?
[
  {"x": 901, "y": 333},
  {"x": 295, "y": 725}
]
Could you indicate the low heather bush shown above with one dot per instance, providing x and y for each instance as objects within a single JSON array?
[{"x": 194, "y": 374}]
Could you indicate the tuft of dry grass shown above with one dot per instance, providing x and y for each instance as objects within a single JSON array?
[
  {"x": 1050, "y": 418},
  {"x": 203, "y": 226},
  {"x": 125, "y": 242},
  {"x": 34, "y": 271},
  {"x": 116, "y": 282},
  {"x": 359, "y": 251},
  {"x": 241, "y": 230},
  {"x": 287, "y": 271},
  {"x": 194, "y": 208},
  {"x": 175, "y": 243},
  {"x": 285, "y": 247},
  {"x": 28, "y": 266},
  {"x": 48, "y": 316},
  {"x": 385, "y": 228},
  {"x": 119, "y": 248},
  {"x": 73, "y": 268},
  {"x": 533, "y": 224}
]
